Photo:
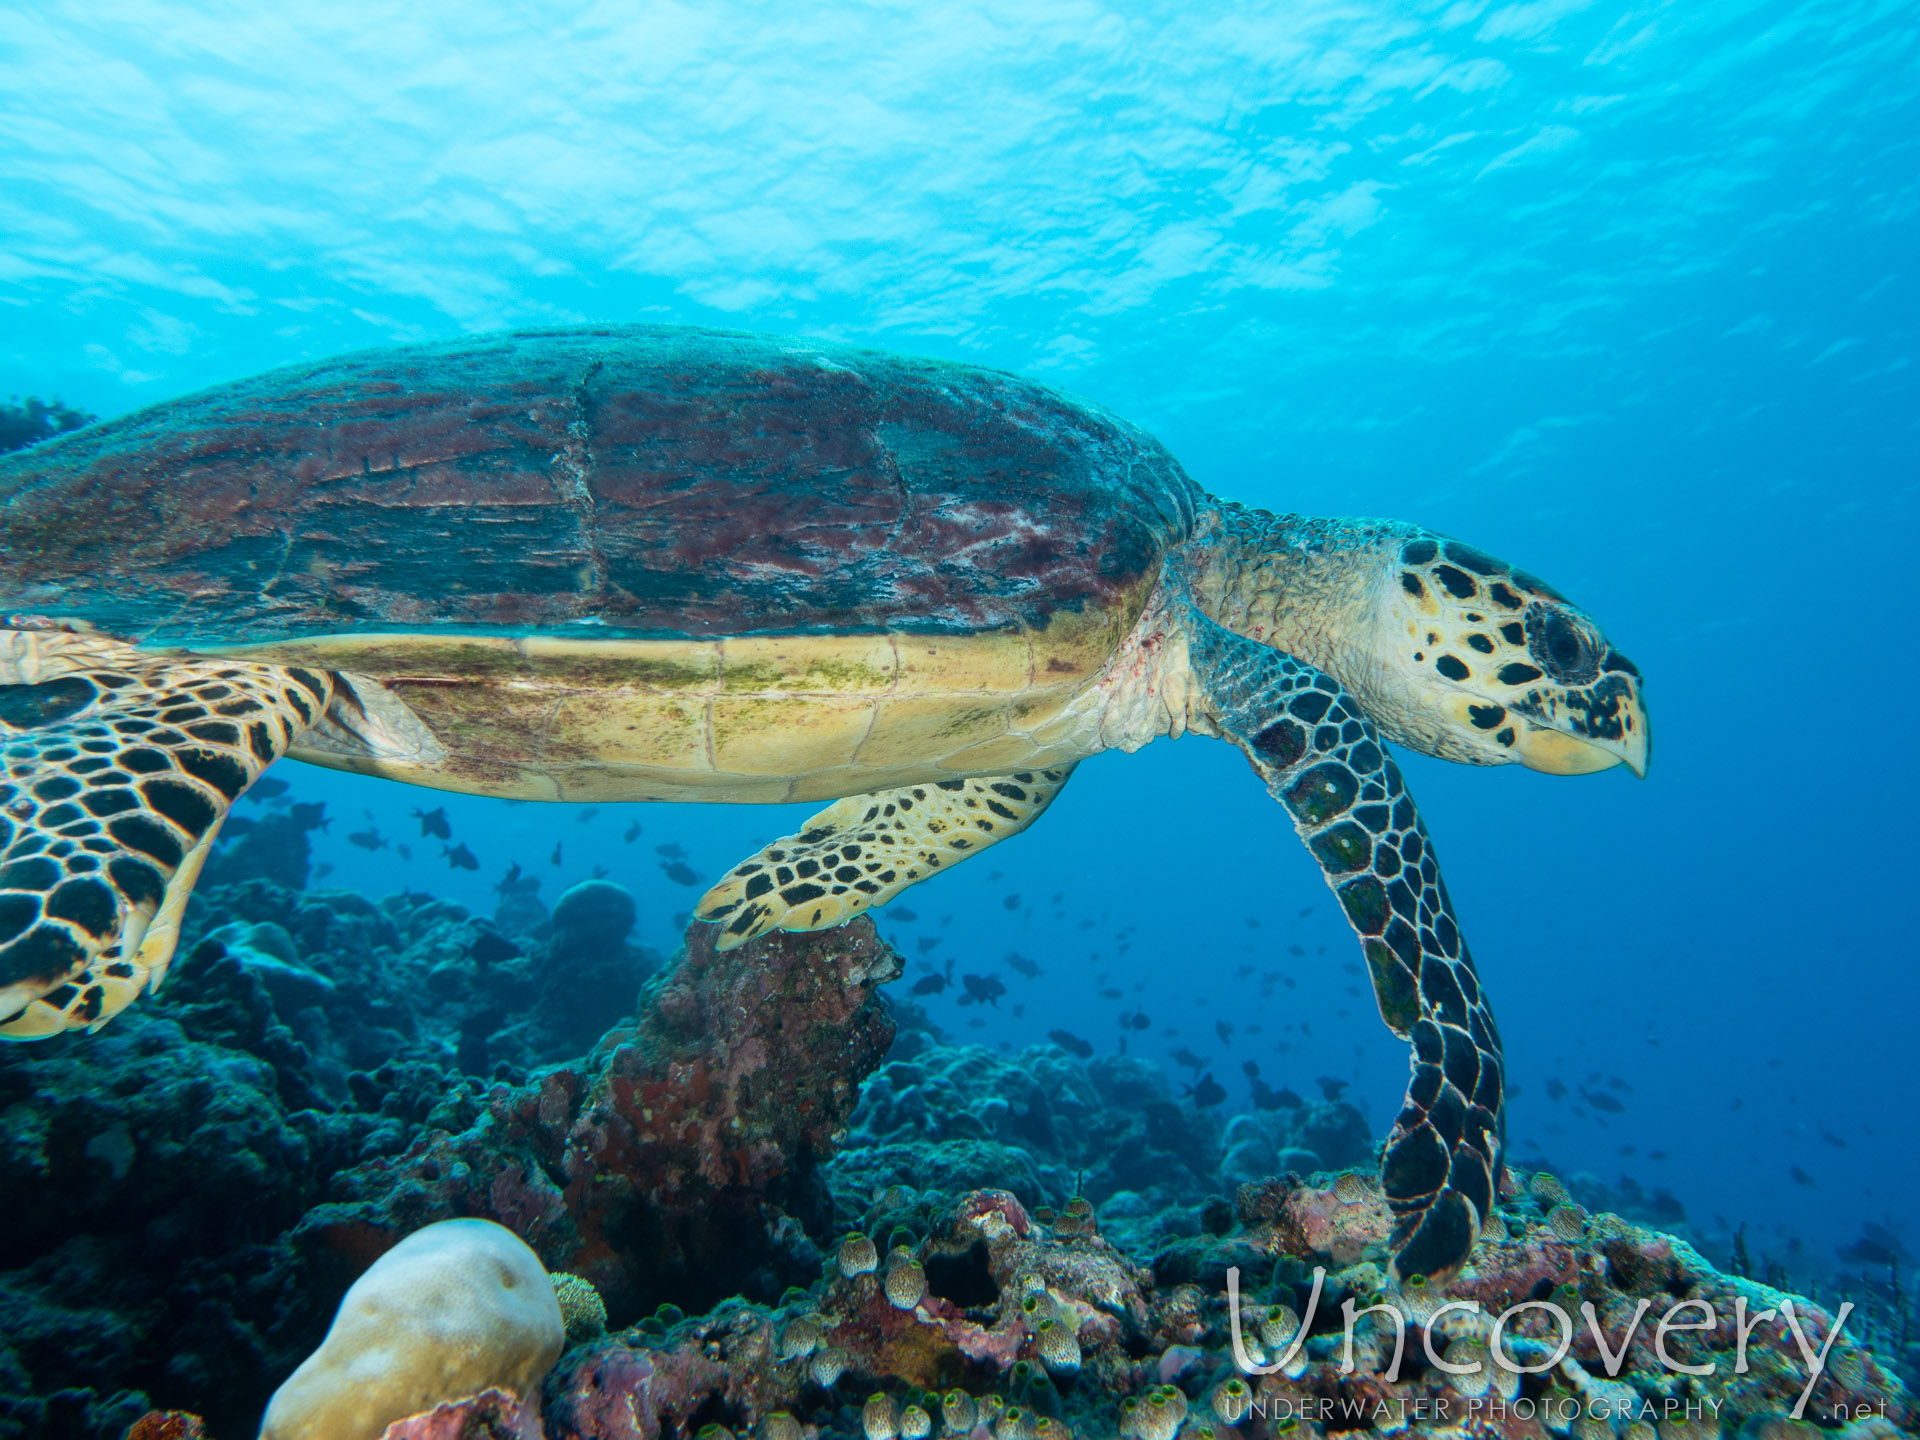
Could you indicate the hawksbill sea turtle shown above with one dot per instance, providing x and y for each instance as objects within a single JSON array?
[{"x": 650, "y": 563}]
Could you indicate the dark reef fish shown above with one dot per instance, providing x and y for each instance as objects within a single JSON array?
[
  {"x": 434, "y": 823},
  {"x": 1265, "y": 1097},
  {"x": 1224, "y": 1029},
  {"x": 983, "y": 990},
  {"x": 490, "y": 948},
  {"x": 554, "y": 859},
  {"x": 1556, "y": 1090},
  {"x": 1021, "y": 965},
  {"x": 1206, "y": 1094},
  {"x": 267, "y": 788},
  {"x": 460, "y": 858},
  {"x": 903, "y": 914},
  {"x": 368, "y": 839},
  {"x": 1072, "y": 1043},
  {"x": 1186, "y": 1057},
  {"x": 1331, "y": 1086},
  {"x": 679, "y": 872},
  {"x": 632, "y": 833},
  {"x": 1600, "y": 1100},
  {"x": 934, "y": 983},
  {"x": 1135, "y": 1020}
]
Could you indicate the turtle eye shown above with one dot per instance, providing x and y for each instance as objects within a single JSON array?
[{"x": 1562, "y": 646}]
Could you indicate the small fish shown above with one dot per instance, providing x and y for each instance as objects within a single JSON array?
[
  {"x": 1012, "y": 902},
  {"x": 929, "y": 943},
  {"x": 1298, "y": 952},
  {"x": 680, "y": 873},
  {"x": 1136, "y": 1020},
  {"x": 1600, "y": 1100},
  {"x": 670, "y": 852},
  {"x": 1832, "y": 1139},
  {"x": 1329, "y": 1086},
  {"x": 633, "y": 833},
  {"x": 903, "y": 915},
  {"x": 936, "y": 982},
  {"x": 1800, "y": 1177},
  {"x": 508, "y": 882},
  {"x": 368, "y": 839},
  {"x": 1071, "y": 1043},
  {"x": 322, "y": 870},
  {"x": 554, "y": 859},
  {"x": 311, "y": 816},
  {"x": 1252, "y": 924},
  {"x": 489, "y": 948},
  {"x": 434, "y": 823},
  {"x": 1186, "y": 1057},
  {"x": 587, "y": 814},
  {"x": 1306, "y": 912},
  {"x": 1208, "y": 1093},
  {"x": 1244, "y": 972},
  {"x": 1113, "y": 994},
  {"x": 266, "y": 788},
  {"x": 460, "y": 858},
  {"x": 405, "y": 851},
  {"x": 600, "y": 872},
  {"x": 1556, "y": 1091},
  {"x": 983, "y": 990},
  {"x": 1022, "y": 966},
  {"x": 1224, "y": 1029}
]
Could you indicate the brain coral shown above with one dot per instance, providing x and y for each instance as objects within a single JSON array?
[{"x": 453, "y": 1309}]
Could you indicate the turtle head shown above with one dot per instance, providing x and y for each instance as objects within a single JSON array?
[{"x": 1471, "y": 659}]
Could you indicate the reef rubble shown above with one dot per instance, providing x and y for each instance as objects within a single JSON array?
[{"x": 778, "y": 1203}]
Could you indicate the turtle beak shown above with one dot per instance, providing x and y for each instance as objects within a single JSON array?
[{"x": 1607, "y": 726}]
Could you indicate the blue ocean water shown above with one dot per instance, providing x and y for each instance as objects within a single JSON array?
[{"x": 1623, "y": 294}]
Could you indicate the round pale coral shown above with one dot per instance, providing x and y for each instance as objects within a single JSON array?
[{"x": 453, "y": 1309}]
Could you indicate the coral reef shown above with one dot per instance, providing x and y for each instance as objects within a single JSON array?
[
  {"x": 774, "y": 1202},
  {"x": 1034, "y": 1323},
  {"x": 681, "y": 1158}
]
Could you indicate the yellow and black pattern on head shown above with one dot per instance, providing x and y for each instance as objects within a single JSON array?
[
  {"x": 119, "y": 767},
  {"x": 1506, "y": 667},
  {"x": 1323, "y": 760},
  {"x": 866, "y": 849}
]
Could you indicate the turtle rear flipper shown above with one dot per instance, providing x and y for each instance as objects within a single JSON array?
[
  {"x": 1323, "y": 760},
  {"x": 864, "y": 850},
  {"x": 119, "y": 767}
]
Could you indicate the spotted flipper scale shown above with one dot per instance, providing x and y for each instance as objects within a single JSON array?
[
  {"x": 864, "y": 850},
  {"x": 119, "y": 767},
  {"x": 1323, "y": 760}
]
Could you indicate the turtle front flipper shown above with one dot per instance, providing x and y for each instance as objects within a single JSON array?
[
  {"x": 120, "y": 766},
  {"x": 1323, "y": 760},
  {"x": 864, "y": 850}
]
